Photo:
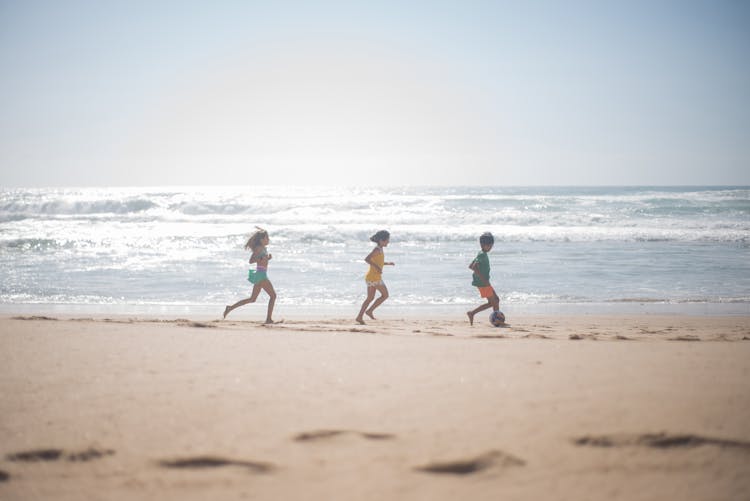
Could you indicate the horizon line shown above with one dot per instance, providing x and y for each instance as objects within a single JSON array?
[{"x": 358, "y": 186}]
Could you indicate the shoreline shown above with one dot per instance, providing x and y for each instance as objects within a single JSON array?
[
  {"x": 389, "y": 310},
  {"x": 593, "y": 327}
]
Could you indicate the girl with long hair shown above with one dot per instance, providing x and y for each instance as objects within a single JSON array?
[{"x": 259, "y": 276}]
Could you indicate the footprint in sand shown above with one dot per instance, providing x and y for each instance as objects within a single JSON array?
[
  {"x": 35, "y": 317},
  {"x": 38, "y": 455},
  {"x": 578, "y": 337},
  {"x": 198, "y": 325},
  {"x": 208, "y": 462},
  {"x": 4, "y": 476},
  {"x": 536, "y": 336},
  {"x": 89, "y": 455},
  {"x": 470, "y": 466},
  {"x": 660, "y": 441},
  {"x": 311, "y": 436},
  {"x": 436, "y": 334}
]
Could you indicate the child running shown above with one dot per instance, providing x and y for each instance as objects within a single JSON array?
[
  {"x": 374, "y": 277},
  {"x": 481, "y": 278},
  {"x": 258, "y": 277}
]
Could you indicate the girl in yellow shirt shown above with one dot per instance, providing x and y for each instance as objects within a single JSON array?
[{"x": 374, "y": 277}]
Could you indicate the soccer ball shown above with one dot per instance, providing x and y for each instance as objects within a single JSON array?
[{"x": 497, "y": 318}]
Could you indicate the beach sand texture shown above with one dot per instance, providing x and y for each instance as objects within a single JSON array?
[{"x": 583, "y": 407}]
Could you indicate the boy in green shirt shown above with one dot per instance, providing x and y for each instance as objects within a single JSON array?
[{"x": 481, "y": 278}]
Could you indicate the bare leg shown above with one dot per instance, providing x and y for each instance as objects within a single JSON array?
[
  {"x": 383, "y": 296},
  {"x": 268, "y": 287},
  {"x": 470, "y": 314},
  {"x": 495, "y": 302},
  {"x": 370, "y": 297},
  {"x": 243, "y": 302}
]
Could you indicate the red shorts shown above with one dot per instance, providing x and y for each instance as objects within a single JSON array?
[{"x": 486, "y": 292}]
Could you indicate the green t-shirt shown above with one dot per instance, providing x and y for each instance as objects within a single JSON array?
[{"x": 483, "y": 260}]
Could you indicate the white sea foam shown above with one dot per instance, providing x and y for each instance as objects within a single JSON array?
[{"x": 554, "y": 245}]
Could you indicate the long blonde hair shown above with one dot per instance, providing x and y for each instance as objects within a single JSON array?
[{"x": 254, "y": 241}]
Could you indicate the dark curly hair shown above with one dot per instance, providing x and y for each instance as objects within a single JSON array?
[{"x": 380, "y": 236}]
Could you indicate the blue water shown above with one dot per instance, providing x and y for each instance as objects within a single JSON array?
[{"x": 181, "y": 249}]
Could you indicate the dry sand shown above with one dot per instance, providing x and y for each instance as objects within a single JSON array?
[{"x": 619, "y": 407}]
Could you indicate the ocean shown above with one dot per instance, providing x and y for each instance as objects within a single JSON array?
[{"x": 179, "y": 250}]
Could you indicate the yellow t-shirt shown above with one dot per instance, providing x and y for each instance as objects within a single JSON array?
[{"x": 373, "y": 275}]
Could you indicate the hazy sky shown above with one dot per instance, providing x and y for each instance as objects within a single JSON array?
[{"x": 464, "y": 92}]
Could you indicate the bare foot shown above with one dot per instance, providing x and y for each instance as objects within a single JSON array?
[
  {"x": 471, "y": 317},
  {"x": 360, "y": 321},
  {"x": 369, "y": 314},
  {"x": 226, "y": 311}
]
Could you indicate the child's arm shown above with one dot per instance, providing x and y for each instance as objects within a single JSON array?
[
  {"x": 474, "y": 266},
  {"x": 254, "y": 258}
]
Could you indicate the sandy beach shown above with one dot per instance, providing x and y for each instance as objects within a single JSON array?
[{"x": 582, "y": 407}]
